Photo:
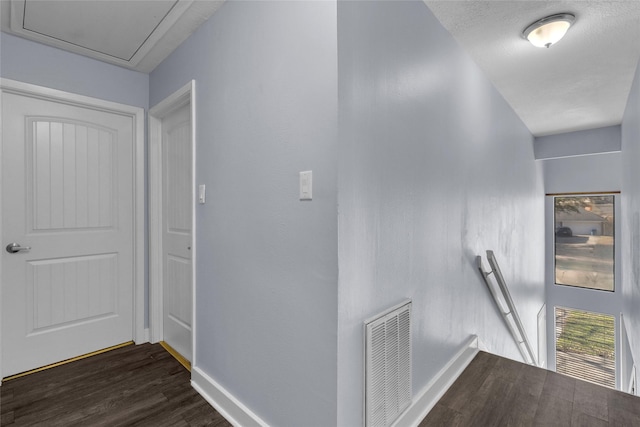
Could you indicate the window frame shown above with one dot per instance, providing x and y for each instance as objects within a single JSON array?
[{"x": 615, "y": 203}]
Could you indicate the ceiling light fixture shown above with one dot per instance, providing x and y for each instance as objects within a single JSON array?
[{"x": 547, "y": 31}]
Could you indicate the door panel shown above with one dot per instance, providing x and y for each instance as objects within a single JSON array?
[
  {"x": 73, "y": 175},
  {"x": 67, "y": 192},
  {"x": 177, "y": 210},
  {"x": 70, "y": 291}
]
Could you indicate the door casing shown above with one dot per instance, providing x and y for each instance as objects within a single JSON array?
[
  {"x": 183, "y": 96},
  {"x": 137, "y": 116}
]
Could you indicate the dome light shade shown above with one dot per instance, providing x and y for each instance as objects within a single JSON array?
[{"x": 549, "y": 30}]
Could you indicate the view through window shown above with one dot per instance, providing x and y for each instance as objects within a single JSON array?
[
  {"x": 585, "y": 346},
  {"x": 584, "y": 241}
]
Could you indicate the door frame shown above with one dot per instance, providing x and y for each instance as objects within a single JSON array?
[
  {"x": 137, "y": 116},
  {"x": 183, "y": 96}
]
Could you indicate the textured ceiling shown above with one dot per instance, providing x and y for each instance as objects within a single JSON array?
[{"x": 582, "y": 82}]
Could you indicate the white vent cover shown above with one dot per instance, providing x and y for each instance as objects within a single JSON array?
[{"x": 387, "y": 365}]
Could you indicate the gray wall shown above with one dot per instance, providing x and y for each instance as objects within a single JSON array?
[
  {"x": 593, "y": 173},
  {"x": 267, "y": 267},
  {"x": 591, "y": 141},
  {"x": 435, "y": 168},
  {"x": 631, "y": 216},
  {"x": 583, "y": 161},
  {"x": 35, "y": 63}
]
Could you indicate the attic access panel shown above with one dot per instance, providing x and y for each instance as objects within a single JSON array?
[{"x": 114, "y": 28}]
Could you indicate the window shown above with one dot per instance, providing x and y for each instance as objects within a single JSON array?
[
  {"x": 584, "y": 241},
  {"x": 585, "y": 346}
]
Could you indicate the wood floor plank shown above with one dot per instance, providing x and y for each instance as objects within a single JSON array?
[
  {"x": 489, "y": 410},
  {"x": 442, "y": 415},
  {"x": 553, "y": 412},
  {"x": 619, "y": 401},
  {"x": 591, "y": 399},
  {"x": 494, "y": 391},
  {"x": 580, "y": 419},
  {"x": 470, "y": 381},
  {"x": 134, "y": 385},
  {"x": 559, "y": 386},
  {"x": 522, "y": 403}
]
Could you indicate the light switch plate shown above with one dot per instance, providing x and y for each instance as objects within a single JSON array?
[
  {"x": 306, "y": 185},
  {"x": 202, "y": 194}
]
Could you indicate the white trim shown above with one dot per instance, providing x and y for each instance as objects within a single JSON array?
[
  {"x": 438, "y": 386},
  {"x": 139, "y": 228},
  {"x": 194, "y": 247},
  {"x": 482, "y": 346},
  {"x": 624, "y": 362},
  {"x": 1, "y": 235},
  {"x": 137, "y": 116},
  {"x": 224, "y": 402},
  {"x": 183, "y": 96},
  {"x": 155, "y": 229},
  {"x": 542, "y": 337}
]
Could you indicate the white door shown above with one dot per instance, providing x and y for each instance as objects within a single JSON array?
[
  {"x": 176, "y": 238},
  {"x": 67, "y": 195}
]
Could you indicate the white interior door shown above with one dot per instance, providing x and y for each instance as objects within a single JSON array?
[
  {"x": 67, "y": 195},
  {"x": 176, "y": 239}
]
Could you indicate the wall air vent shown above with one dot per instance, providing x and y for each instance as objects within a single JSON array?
[{"x": 387, "y": 365}]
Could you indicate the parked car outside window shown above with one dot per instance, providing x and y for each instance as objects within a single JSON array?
[{"x": 564, "y": 232}]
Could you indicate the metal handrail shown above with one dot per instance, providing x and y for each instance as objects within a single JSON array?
[{"x": 515, "y": 326}]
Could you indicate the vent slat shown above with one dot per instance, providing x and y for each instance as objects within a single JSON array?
[{"x": 388, "y": 366}]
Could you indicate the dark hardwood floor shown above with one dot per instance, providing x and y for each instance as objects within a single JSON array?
[
  {"x": 145, "y": 386},
  {"x": 131, "y": 386},
  {"x": 494, "y": 391}
]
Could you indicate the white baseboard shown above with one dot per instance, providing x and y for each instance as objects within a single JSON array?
[
  {"x": 482, "y": 346},
  {"x": 437, "y": 387},
  {"x": 141, "y": 337},
  {"x": 224, "y": 402}
]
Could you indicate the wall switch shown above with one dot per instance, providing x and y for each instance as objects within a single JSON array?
[
  {"x": 202, "y": 192},
  {"x": 305, "y": 185}
]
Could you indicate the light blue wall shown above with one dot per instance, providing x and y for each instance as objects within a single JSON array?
[
  {"x": 631, "y": 216},
  {"x": 267, "y": 267},
  {"x": 435, "y": 168},
  {"x": 591, "y": 141},
  {"x": 592, "y": 173},
  {"x": 35, "y": 63}
]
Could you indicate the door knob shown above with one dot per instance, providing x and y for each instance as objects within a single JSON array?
[{"x": 13, "y": 248}]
